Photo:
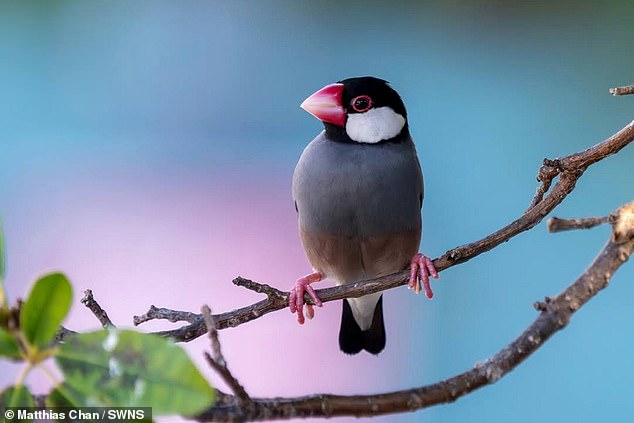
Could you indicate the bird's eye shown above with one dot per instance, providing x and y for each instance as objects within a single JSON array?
[{"x": 361, "y": 103}]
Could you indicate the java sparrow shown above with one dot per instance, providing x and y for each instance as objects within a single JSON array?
[{"x": 358, "y": 192}]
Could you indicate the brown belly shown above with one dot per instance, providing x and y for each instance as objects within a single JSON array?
[{"x": 350, "y": 259}]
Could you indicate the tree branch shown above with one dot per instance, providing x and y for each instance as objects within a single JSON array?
[
  {"x": 217, "y": 361},
  {"x": 568, "y": 169},
  {"x": 621, "y": 231},
  {"x": 101, "y": 315},
  {"x": 555, "y": 312},
  {"x": 629, "y": 89},
  {"x": 155, "y": 313},
  {"x": 555, "y": 315},
  {"x": 556, "y": 224},
  {"x": 62, "y": 334}
]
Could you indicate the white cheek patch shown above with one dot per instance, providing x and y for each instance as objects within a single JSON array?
[{"x": 375, "y": 125}]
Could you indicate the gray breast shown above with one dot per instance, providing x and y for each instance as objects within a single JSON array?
[{"x": 358, "y": 189}]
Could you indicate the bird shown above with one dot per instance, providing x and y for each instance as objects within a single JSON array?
[{"x": 358, "y": 193}]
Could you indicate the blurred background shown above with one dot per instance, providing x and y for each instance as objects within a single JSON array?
[{"x": 147, "y": 149}]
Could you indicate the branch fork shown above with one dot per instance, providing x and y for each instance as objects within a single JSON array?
[{"x": 217, "y": 361}]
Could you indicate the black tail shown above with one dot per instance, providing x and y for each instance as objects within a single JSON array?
[{"x": 352, "y": 339}]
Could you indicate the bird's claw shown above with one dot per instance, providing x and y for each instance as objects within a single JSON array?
[
  {"x": 296, "y": 297},
  {"x": 421, "y": 268}
]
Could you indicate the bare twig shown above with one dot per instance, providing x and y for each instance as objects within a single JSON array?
[
  {"x": 217, "y": 361},
  {"x": 628, "y": 89},
  {"x": 619, "y": 219},
  {"x": 555, "y": 315},
  {"x": 545, "y": 176},
  {"x": 623, "y": 222},
  {"x": 90, "y": 302},
  {"x": 62, "y": 334},
  {"x": 269, "y": 291},
  {"x": 276, "y": 300},
  {"x": 568, "y": 169},
  {"x": 166, "y": 314},
  {"x": 556, "y": 224},
  {"x": 213, "y": 336}
]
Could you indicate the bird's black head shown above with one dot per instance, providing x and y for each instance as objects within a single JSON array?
[
  {"x": 363, "y": 110},
  {"x": 366, "y": 92}
]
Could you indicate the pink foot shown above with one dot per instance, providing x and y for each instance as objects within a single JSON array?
[
  {"x": 421, "y": 267},
  {"x": 296, "y": 297}
]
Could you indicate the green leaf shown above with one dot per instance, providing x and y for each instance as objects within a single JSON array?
[
  {"x": 64, "y": 395},
  {"x": 124, "y": 368},
  {"x": 8, "y": 345},
  {"x": 58, "y": 398},
  {"x": 45, "y": 309},
  {"x": 17, "y": 396}
]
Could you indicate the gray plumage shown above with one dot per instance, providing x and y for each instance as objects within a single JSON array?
[{"x": 359, "y": 211}]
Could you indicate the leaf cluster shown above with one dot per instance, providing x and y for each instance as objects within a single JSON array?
[{"x": 109, "y": 367}]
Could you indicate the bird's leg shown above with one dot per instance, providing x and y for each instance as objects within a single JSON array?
[
  {"x": 296, "y": 296},
  {"x": 421, "y": 268}
]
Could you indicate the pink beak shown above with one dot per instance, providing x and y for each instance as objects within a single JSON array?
[{"x": 326, "y": 106}]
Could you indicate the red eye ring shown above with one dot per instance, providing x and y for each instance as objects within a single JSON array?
[{"x": 361, "y": 103}]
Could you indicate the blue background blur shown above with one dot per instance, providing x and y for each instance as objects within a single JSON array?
[{"x": 147, "y": 148}]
